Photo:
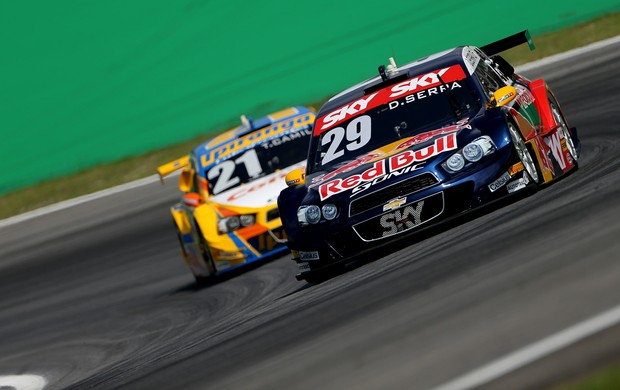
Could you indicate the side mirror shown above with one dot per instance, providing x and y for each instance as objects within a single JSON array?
[
  {"x": 191, "y": 199},
  {"x": 186, "y": 180},
  {"x": 503, "y": 96},
  {"x": 295, "y": 177}
]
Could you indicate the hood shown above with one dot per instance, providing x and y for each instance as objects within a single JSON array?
[
  {"x": 258, "y": 193},
  {"x": 390, "y": 161}
]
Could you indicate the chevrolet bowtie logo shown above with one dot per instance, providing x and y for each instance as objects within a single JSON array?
[{"x": 394, "y": 203}]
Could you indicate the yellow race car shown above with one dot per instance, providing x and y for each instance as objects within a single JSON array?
[{"x": 228, "y": 215}]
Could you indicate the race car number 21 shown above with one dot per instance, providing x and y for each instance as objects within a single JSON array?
[{"x": 223, "y": 174}]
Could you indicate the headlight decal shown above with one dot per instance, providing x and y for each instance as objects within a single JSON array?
[
  {"x": 313, "y": 214},
  {"x": 234, "y": 222},
  {"x": 470, "y": 153}
]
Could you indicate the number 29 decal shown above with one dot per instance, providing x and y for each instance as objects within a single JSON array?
[{"x": 357, "y": 135}]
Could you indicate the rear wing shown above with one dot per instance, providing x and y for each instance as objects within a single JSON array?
[
  {"x": 508, "y": 43},
  {"x": 172, "y": 166}
]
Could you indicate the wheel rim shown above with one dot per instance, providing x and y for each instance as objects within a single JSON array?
[
  {"x": 524, "y": 154},
  {"x": 559, "y": 120}
]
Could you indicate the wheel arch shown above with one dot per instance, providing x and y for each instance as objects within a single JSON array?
[{"x": 542, "y": 92}]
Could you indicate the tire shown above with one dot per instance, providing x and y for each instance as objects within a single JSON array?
[
  {"x": 206, "y": 255},
  {"x": 525, "y": 156},
  {"x": 179, "y": 237},
  {"x": 559, "y": 120},
  {"x": 314, "y": 279}
]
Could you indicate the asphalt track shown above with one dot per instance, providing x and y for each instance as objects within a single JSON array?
[{"x": 95, "y": 296}]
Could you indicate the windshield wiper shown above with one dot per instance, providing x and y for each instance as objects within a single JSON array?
[{"x": 454, "y": 104}]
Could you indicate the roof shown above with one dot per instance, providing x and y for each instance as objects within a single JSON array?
[
  {"x": 250, "y": 133},
  {"x": 409, "y": 70}
]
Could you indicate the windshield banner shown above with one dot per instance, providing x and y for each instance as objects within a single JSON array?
[{"x": 388, "y": 94}]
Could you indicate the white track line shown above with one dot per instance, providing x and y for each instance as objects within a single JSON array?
[
  {"x": 114, "y": 190},
  {"x": 533, "y": 352},
  {"x": 22, "y": 382},
  {"x": 76, "y": 201}
]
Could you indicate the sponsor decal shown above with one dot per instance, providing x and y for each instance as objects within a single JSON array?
[
  {"x": 410, "y": 86},
  {"x": 222, "y": 264},
  {"x": 395, "y": 173},
  {"x": 404, "y": 144},
  {"x": 258, "y": 136},
  {"x": 500, "y": 182},
  {"x": 394, "y": 165},
  {"x": 292, "y": 182},
  {"x": 545, "y": 159},
  {"x": 518, "y": 184},
  {"x": 524, "y": 105},
  {"x": 417, "y": 83},
  {"x": 423, "y": 94},
  {"x": 286, "y": 138},
  {"x": 250, "y": 188},
  {"x": 554, "y": 142},
  {"x": 505, "y": 97},
  {"x": 401, "y": 220},
  {"x": 349, "y": 166},
  {"x": 308, "y": 256},
  {"x": 518, "y": 167},
  {"x": 524, "y": 96},
  {"x": 471, "y": 59},
  {"x": 394, "y": 204},
  {"x": 225, "y": 254},
  {"x": 345, "y": 112}
]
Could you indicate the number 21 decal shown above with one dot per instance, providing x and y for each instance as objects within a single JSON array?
[
  {"x": 223, "y": 173},
  {"x": 357, "y": 135}
]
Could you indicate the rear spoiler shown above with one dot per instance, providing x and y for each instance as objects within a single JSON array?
[
  {"x": 172, "y": 166},
  {"x": 508, "y": 43}
]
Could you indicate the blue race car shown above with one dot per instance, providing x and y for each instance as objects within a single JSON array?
[{"x": 417, "y": 145}]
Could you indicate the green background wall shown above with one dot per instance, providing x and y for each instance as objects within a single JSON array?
[{"x": 86, "y": 82}]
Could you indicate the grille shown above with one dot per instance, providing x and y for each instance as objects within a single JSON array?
[
  {"x": 380, "y": 197},
  {"x": 401, "y": 220},
  {"x": 273, "y": 214}
]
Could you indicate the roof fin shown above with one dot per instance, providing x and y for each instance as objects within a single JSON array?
[
  {"x": 247, "y": 122},
  {"x": 389, "y": 71},
  {"x": 392, "y": 68}
]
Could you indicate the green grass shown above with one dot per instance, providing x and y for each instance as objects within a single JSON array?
[{"x": 130, "y": 169}]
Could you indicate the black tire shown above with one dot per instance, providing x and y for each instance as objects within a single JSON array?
[
  {"x": 314, "y": 279},
  {"x": 206, "y": 255}
]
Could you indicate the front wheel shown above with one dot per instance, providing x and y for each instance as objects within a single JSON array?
[
  {"x": 208, "y": 260},
  {"x": 529, "y": 163}
]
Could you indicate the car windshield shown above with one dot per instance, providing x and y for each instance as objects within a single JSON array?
[
  {"x": 263, "y": 159},
  {"x": 393, "y": 113}
]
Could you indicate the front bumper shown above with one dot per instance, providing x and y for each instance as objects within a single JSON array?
[
  {"x": 248, "y": 250},
  {"x": 330, "y": 244}
]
